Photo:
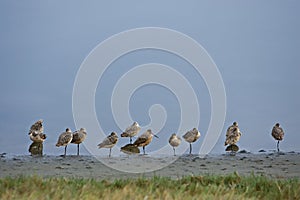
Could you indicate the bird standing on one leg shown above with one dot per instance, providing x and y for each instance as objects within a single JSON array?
[
  {"x": 277, "y": 133},
  {"x": 174, "y": 141},
  {"x": 191, "y": 136},
  {"x": 109, "y": 142},
  {"x": 131, "y": 131},
  {"x": 64, "y": 139},
  {"x": 144, "y": 139},
  {"x": 78, "y": 137},
  {"x": 233, "y": 135}
]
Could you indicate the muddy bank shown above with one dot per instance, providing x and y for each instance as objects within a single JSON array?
[{"x": 282, "y": 165}]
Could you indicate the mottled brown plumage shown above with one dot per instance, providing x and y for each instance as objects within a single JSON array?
[
  {"x": 277, "y": 133},
  {"x": 36, "y": 132},
  {"x": 37, "y": 137},
  {"x": 144, "y": 139},
  {"x": 37, "y": 127},
  {"x": 191, "y": 136},
  {"x": 78, "y": 137},
  {"x": 64, "y": 139},
  {"x": 109, "y": 142},
  {"x": 174, "y": 141},
  {"x": 233, "y": 134},
  {"x": 131, "y": 131}
]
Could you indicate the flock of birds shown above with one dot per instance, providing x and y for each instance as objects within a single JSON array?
[{"x": 233, "y": 135}]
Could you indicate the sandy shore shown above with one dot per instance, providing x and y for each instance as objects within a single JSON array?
[{"x": 275, "y": 165}]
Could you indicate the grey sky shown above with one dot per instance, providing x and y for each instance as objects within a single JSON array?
[{"x": 255, "y": 45}]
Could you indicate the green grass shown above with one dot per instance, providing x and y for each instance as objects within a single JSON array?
[{"x": 194, "y": 187}]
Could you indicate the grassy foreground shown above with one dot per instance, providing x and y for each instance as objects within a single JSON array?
[{"x": 195, "y": 187}]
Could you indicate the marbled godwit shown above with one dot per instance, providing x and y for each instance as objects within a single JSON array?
[
  {"x": 233, "y": 134},
  {"x": 36, "y": 132},
  {"x": 174, "y": 141},
  {"x": 144, "y": 139},
  {"x": 64, "y": 139},
  {"x": 131, "y": 131},
  {"x": 191, "y": 136},
  {"x": 78, "y": 137},
  {"x": 37, "y": 126},
  {"x": 37, "y": 137},
  {"x": 277, "y": 133},
  {"x": 109, "y": 142}
]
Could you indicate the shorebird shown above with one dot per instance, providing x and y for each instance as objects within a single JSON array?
[
  {"x": 277, "y": 133},
  {"x": 78, "y": 137},
  {"x": 36, "y": 132},
  {"x": 37, "y": 137},
  {"x": 233, "y": 134},
  {"x": 191, "y": 136},
  {"x": 131, "y": 131},
  {"x": 144, "y": 139},
  {"x": 174, "y": 141},
  {"x": 37, "y": 126},
  {"x": 64, "y": 139},
  {"x": 109, "y": 142}
]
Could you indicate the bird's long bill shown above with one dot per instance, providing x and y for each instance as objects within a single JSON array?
[{"x": 155, "y": 136}]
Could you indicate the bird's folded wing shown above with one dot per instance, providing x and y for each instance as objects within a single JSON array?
[
  {"x": 65, "y": 138},
  {"x": 140, "y": 140}
]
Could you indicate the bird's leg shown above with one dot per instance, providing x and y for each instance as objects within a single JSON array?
[
  {"x": 190, "y": 148},
  {"x": 278, "y": 146},
  {"x": 77, "y": 149},
  {"x": 65, "y": 150},
  {"x": 144, "y": 150},
  {"x": 232, "y": 152},
  {"x": 174, "y": 151},
  {"x": 109, "y": 152}
]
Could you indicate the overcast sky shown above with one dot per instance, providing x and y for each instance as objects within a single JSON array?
[{"x": 255, "y": 45}]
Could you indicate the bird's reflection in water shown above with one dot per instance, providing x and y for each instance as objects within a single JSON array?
[
  {"x": 130, "y": 149},
  {"x": 36, "y": 149},
  {"x": 232, "y": 149}
]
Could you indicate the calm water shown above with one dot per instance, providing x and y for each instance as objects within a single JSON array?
[{"x": 255, "y": 47}]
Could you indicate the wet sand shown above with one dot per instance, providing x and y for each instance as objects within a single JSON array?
[{"x": 274, "y": 165}]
